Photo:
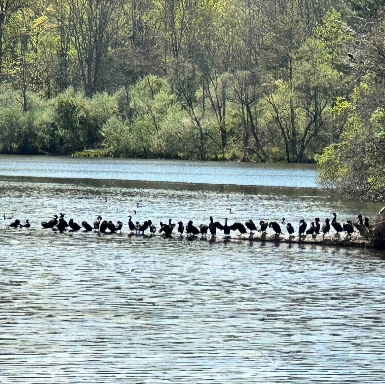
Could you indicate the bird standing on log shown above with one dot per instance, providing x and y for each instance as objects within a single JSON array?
[
  {"x": 336, "y": 225},
  {"x": 302, "y": 227},
  {"x": 290, "y": 229},
  {"x": 311, "y": 230},
  {"x": 180, "y": 228},
  {"x": 251, "y": 226},
  {"x": 276, "y": 227},
  {"x": 348, "y": 228},
  {"x": 191, "y": 229},
  {"x": 326, "y": 227},
  {"x": 264, "y": 225}
]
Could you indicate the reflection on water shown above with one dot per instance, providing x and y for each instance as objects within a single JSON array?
[
  {"x": 283, "y": 175},
  {"x": 83, "y": 307}
]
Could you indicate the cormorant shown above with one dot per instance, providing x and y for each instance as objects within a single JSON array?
[
  {"x": 167, "y": 228},
  {"x": 302, "y": 227},
  {"x": 326, "y": 227},
  {"x": 143, "y": 227},
  {"x": 103, "y": 226},
  {"x": 191, "y": 229},
  {"x": 15, "y": 224},
  {"x": 114, "y": 227},
  {"x": 131, "y": 224},
  {"x": 264, "y": 225},
  {"x": 51, "y": 223},
  {"x": 337, "y": 226},
  {"x": 311, "y": 230},
  {"x": 74, "y": 226},
  {"x": 251, "y": 226},
  {"x": 62, "y": 224},
  {"x": 86, "y": 226},
  {"x": 180, "y": 228},
  {"x": 225, "y": 228},
  {"x": 317, "y": 227},
  {"x": 362, "y": 229},
  {"x": 276, "y": 227},
  {"x": 290, "y": 229},
  {"x": 348, "y": 228},
  {"x": 203, "y": 229},
  {"x": 97, "y": 222},
  {"x": 213, "y": 227},
  {"x": 240, "y": 227}
]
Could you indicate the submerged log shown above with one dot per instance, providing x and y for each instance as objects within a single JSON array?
[{"x": 341, "y": 240}]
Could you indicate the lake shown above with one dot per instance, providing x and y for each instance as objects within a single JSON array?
[{"x": 83, "y": 307}]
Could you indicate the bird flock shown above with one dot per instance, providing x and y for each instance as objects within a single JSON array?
[{"x": 59, "y": 223}]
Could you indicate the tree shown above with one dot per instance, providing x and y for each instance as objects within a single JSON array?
[{"x": 95, "y": 24}]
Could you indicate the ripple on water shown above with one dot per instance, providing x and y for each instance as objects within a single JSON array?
[{"x": 82, "y": 307}]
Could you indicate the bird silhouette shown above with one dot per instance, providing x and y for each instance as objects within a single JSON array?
[
  {"x": 302, "y": 227},
  {"x": 86, "y": 226},
  {"x": 290, "y": 229},
  {"x": 337, "y": 226},
  {"x": 251, "y": 226},
  {"x": 276, "y": 227},
  {"x": 326, "y": 227}
]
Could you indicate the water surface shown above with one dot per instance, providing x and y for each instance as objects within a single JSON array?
[{"x": 80, "y": 307}]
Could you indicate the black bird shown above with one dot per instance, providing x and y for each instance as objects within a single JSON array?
[
  {"x": 317, "y": 226},
  {"x": 326, "y": 227},
  {"x": 362, "y": 229},
  {"x": 213, "y": 227},
  {"x": 180, "y": 228},
  {"x": 86, "y": 226},
  {"x": 51, "y": 223},
  {"x": 74, "y": 226},
  {"x": 171, "y": 224},
  {"x": 348, "y": 227},
  {"x": 240, "y": 227},
  {"x": 97, "y": 222},
  {"x": 337, "y": 226},
  {"x": 103, "y": 226},
  {"x": 114, "y": 227},
  {"x": 203, "y": 229},
  {"x": 131, "y": 224},
  {"x": 191, "y": 229},
  {"x": 302, "y": 227},
  {"x": 15, "y": 224},
  {"x": 290, "y": 229},
  {"x": 143, "y": 227},
  {"x": 251, "y": 226},
  {"x": 276, "y": 227},
  {"x": 62, "y": 224},
  {"x": 366, "y": 222},
  {"x": 166, "y": 229},
  {"x": 311, "y": 230},
  {"x": 225, "y": 228},
  {"x": 264, "y": 225},
  {"x": 26, "y": 225}
]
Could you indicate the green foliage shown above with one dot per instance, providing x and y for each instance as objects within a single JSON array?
[
  {"x": 210, "y": 79},
  {"x": 78, "y": 120}
]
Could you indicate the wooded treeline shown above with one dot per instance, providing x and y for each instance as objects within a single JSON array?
[{"x": 255, "y": 80}]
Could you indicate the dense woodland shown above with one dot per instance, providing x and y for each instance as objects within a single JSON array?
[{"x": 249, "y": 80}]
